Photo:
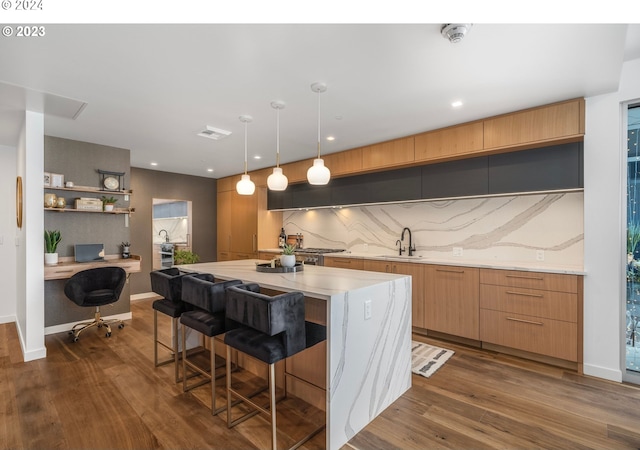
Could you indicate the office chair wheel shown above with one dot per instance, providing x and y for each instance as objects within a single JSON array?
[
  {"x": 108, "y": 335},
  {"x": 121, "y": 326}
]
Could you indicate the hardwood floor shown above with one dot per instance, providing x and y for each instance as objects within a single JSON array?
[{"x": 105, "y": 393}]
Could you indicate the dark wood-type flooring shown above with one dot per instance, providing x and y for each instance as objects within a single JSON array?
[{"x": 105, "y": 393}]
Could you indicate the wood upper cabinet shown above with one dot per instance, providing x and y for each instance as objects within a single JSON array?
[
  {"x": 224, "y": 199},
  {"x": 344, "y": 163},
  {"x": 244, "y": 224},
  {"x": 296, "y": 172},
  {"x": 417, "y": 284},
  {"x": 456, "y": 141},
  {"x": 556, "y": 122},
  {"x": 452, "y": 301},
  {"x": 388, "y": 154}
]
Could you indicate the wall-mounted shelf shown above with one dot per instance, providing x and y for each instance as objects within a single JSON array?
[
  {"x": 118, "y": 211},
  {"x": 90, "y": 189}
]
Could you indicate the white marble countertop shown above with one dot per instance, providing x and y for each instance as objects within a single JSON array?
[
  {"x": 314, "y": 281},
  {"x": 532, "y": 266}
]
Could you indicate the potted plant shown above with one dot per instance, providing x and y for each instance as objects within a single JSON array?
[
  {"x": 185, "y": 257},
  {"x": 108, "y": 203},
  {"x": 51, "y": 240},
  {"x": 288, "y": 258}
]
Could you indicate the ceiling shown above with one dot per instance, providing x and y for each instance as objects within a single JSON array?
[{"x": 152, "y": 88}]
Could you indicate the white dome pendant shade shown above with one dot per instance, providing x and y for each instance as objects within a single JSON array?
[
  {"x": 318, "y": 174},
  {"x": 245, "y": 186},
  {"x": 277, "y": 181}
]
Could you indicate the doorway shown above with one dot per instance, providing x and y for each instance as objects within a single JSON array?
[
  {"x": 171, "y": 230},
  {"x": 632, "y": 309}
]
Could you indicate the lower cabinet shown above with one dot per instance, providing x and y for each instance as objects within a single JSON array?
[
  {"x": 531, "y": 311},
  {"x": 344, "y": 263},
  {"x": 452, "y": 300},
  {"x": 417, "y": 284}
]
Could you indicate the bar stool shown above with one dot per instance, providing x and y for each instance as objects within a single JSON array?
[
  {"x": 168, "y": 284},
  {"x": 207, "y": 316},
  {"x": 271, "y": 329}
]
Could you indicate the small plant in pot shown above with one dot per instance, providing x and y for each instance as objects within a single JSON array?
[
  {"x": 288, "y": 258},
  {"x": 51, "y": 240},
  {"x": 109, "y": 203}
]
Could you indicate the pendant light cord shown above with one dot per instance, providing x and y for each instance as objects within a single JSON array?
[
  {"x": 278, "y": 137},
  {"x": 245, "y": 147},
  {"x": 319, "y": 124}
]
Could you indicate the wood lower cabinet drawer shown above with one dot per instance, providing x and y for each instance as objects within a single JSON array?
[
  {"x": 531, "y": 302},
  {"x": 548, "y": 337},
  {"x": 345, "y": 263},
  {"x": 530, "y": 280}
]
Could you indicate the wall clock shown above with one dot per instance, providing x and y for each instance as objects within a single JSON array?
[
  {"x": 111, "y": 183},
  {"x": 19, "y": 201}
]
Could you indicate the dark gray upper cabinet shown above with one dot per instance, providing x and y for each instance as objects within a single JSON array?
[
  {"x": 395, "y": 185},
  {"x": 541, "y": 169},
  {"x": 307, "y": 195},
  {"x": 456, "y": 178}
]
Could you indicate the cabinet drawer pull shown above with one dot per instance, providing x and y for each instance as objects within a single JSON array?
[
  {"x": 524, "y": 321},
  {"x": 64, "y": 271},
  {"x": 526, "y": 294},
  {"x": 525, "y": 277},
  {"x": 450, "y": 270},
  {"x": 340, "y": 261}
]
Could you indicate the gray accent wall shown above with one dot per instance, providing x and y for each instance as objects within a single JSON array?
[
  {"x": 150, "y": 184},
  {"x": 79, "y": 162}
]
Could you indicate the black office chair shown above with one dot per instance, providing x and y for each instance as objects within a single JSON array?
[
  {"x": 95, "y": 288},
  {"x": 270, "y": 330},
  {"x": 208, "y": 301}
]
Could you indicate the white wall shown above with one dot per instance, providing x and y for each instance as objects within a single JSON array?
[
  {"x": 7, "y": 235},
  {"x": 605, "y": 250},
  {"x": 30, "y": 248}
]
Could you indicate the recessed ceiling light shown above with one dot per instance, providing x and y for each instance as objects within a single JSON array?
[
  {"x": 331, "y": 138},
  {"x": 209, "y": 170},
  {"x": 154, "y": 163},
  {"x": 456, "y": 103},
  {"x": 257, "y": 157}
]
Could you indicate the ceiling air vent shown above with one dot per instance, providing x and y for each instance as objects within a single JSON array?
[{"x": 214, "y": 133}]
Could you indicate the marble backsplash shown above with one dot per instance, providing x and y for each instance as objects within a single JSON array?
[{"x": 509, "y": 228}]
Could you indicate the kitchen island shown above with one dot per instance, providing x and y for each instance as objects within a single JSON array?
[{"x": 368, "y": 356}]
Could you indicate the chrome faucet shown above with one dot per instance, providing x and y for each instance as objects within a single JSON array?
[
  {"x": 412, "y": 247},
  {"x": 166, "y": 235}
]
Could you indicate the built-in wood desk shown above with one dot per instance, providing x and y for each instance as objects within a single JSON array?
[{"x": 67, "y": 267}]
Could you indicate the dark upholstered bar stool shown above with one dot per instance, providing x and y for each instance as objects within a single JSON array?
[
  {"x": 270, "y": 329},
  {"x": 207, "y": 316},
  {"x": 168, "y": 284}
]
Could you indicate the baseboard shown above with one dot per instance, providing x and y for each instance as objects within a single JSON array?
[
  {"x": 29, "y": 355},
  {"x": 603, "y": 372},
  {"x": 7, "y": 319},
  {"x": 144, "y": 296},
  {"x": 68, "y": 326}
]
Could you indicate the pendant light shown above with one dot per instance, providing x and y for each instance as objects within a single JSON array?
[
  {"x": 245, "y": 186},
  {"x": 318, "y": 174},
  {"x": 277, "y": 181}
]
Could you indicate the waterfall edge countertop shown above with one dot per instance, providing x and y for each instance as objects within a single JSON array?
[
  {"x": 368, "y": 348},
  {"x": 314, "y": 281}
]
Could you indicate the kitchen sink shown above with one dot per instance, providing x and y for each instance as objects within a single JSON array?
[{"x": 407, "y": 257}]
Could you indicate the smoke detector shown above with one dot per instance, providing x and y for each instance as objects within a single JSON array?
[
  {"x": 455, "y": 31},
  {"x": 214, "y": 133}
]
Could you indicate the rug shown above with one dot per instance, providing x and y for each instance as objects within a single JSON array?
[{"x": 426, "y": 359}]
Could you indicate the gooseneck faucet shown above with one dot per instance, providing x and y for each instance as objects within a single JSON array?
[
  {"x": 400, "y": 250},
  {"x": 166, "y": 235},
  {"x": 412, "y": 248}
]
